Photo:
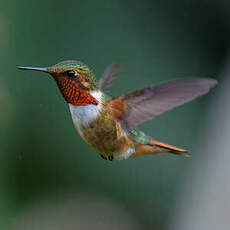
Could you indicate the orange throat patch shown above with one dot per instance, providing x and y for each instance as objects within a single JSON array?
[{"x": 74, "y": 93}]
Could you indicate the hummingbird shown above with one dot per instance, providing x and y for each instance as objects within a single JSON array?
[{"x": 109, "y": 124}]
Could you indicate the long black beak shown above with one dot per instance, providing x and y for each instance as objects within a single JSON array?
[{"x": 33, "y": 68}]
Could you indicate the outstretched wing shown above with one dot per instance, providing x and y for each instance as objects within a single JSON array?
[
  {"x": 109, "y": 76},
  {"x": 144, "y": 104}
]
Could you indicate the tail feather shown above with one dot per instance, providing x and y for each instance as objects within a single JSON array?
[
  {"x": 155, "y": 147},
  {"x": 170, "y": 148}
]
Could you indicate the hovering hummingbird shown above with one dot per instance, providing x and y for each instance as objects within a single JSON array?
[{"x": 109, "y": 124}]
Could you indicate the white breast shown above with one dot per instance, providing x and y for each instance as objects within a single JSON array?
[{"x": 83, "y": 115}]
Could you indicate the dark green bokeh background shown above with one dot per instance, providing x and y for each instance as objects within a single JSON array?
[{"x": 154, "y": 41}]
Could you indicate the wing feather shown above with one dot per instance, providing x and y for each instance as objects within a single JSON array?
[
  {"x": 109, "y": 76},
  {"x": 145, "y": 104}
]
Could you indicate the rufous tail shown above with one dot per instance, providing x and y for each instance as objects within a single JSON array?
[{"x": 154, "y": 147}]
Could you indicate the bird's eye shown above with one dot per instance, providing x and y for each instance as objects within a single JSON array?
[{"x": 69, "y": 73}]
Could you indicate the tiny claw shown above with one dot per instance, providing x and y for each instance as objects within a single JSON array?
[
  {"x": 103, "y": 157},
  {"x": 111, "y": 158}
]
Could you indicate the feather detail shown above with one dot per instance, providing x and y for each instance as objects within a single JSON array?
[
  {"x": 109, "y": 76},
  {"x": 145, "y": 104},
  {"x": 83, "y": 115},
  {"x": 117, "y": 108},
  {"x": 169, "y": 148}
]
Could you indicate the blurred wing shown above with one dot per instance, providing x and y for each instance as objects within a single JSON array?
[
  {"x": 109, "y": 76},
  {"x": 144, "y": 104}
]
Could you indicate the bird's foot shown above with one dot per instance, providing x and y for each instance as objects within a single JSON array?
[{"x": 107, "y": 158}]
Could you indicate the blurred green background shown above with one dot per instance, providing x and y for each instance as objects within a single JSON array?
[{"x": 42, "y": 156}]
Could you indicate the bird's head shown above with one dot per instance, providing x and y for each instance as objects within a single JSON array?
[{"x": 75, "y": 80}]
